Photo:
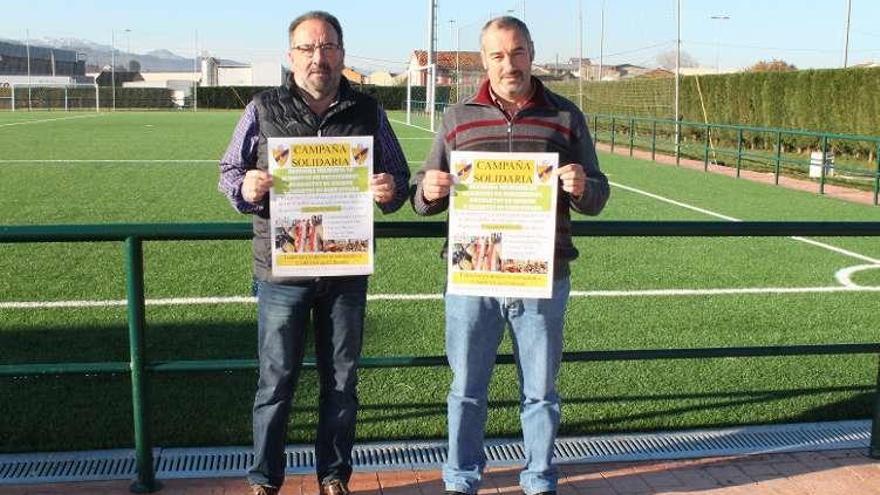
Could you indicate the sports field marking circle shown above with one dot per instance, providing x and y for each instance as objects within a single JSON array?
[{"x": 844, "y": 276}]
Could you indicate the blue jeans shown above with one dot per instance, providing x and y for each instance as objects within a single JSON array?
[
  {"x": 474, "y": 329},
  {"x": 337, "y": 306}
]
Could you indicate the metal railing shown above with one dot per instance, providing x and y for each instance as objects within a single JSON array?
[
  {"x": 613, "y": 125},
  {"x": 139, "y": 366}
]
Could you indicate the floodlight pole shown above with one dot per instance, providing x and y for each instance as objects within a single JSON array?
[
  {"x": 457, "y": 63},
  {"x": 602, "y": 41},
  {"x": 677, "y": 83},
  {"x": 113, "y": 67},
  {"x": 128, "y": 48},
  {"x": 846, "y": 35},
  {"x": 451, "y": 35},
  {"x": 720, "y": 17},
  {"x": 580, "y": 56},
  {"x": 430, "y": 85},
  {"x": 28, "y": 47},
  {"x": 196, "y": 80}
]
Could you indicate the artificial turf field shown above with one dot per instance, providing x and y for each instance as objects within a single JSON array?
[{"x": 629, "y": 293}]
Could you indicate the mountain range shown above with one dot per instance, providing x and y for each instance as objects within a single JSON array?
[{"x": 98, "y": 55}]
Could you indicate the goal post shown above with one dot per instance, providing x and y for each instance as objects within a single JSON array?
[
  {"x": 421, "y": 96},
  {"x": 43, "y": 96}
]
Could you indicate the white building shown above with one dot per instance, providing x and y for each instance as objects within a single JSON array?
[{"x": 261, "y": 72}]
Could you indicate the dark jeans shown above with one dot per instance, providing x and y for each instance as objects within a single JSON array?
[{"x": 337, "y": 306}]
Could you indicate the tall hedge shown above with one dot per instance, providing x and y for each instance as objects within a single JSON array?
[
  {"x": 390, "y": 97},
  {"x": 226, "y": 97},
  {"x": 137, "y": 97},
  {"x": 845, "y": 101}
]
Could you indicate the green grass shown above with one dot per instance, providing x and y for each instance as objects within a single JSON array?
[{"x": 69, "y": 412}]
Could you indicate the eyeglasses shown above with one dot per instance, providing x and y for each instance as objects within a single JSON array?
[{"x": 308, "y": 49}]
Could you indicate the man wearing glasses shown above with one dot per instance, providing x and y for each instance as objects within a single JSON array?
[{"x": 315, "y": 101}]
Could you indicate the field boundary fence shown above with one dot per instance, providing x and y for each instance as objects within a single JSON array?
[{"x": 845, "y": 159}]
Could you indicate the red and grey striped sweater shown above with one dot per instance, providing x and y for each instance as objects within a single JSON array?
[{"x": 546, "y": 123}]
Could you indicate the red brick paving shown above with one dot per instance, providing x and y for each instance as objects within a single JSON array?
[{"x": 849, "y": 472}]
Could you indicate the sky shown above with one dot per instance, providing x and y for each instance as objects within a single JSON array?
[{"x": 381, "y": 34}]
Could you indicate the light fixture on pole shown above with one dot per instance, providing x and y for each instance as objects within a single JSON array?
[{"x": 718, "y": 17}]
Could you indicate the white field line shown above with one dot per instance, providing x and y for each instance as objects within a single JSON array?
[
  {"x": 822, "y": 245},
  {"x": 412, "y": 125},
  {"x": 720, "y": 292},
  {"x": 50, "y": 120},
  {"x": 193, "y": 301}
]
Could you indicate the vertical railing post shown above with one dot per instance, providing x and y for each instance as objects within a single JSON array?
[
  {"x": 824, "y": 160},
  {"x": 877, "y": 176},
  {"x": 134, "y": 274},
  {"x": 654, "y": 144},
  {"x": 739, "y": 151},
  {"x": 632, "y": 135},
  {"x": 874, "y": 449},
  {"x": 595, "y": 130},
  {"x": 612, "y": 133},
  {"x": 706, "y": 150},
  {"x": 778, "y": 157}
]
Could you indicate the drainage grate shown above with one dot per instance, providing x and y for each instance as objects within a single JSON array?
[
  {"x": 67, "y": 466},
  {"x": 234, "y": 461}
]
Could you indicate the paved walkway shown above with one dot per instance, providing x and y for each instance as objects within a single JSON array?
[
  {"x": 835, "y": 472},
  {"x": 834, "y": 191}
]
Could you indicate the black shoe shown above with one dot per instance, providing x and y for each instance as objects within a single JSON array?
[
  {"x": 453, "y": 492},
  {"x": 334, "y": 487}
]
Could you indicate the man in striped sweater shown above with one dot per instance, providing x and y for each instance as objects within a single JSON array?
[{"x": 511, "y": 112}]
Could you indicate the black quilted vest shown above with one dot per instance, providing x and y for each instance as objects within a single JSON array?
[{"x": 283, "y": 113}]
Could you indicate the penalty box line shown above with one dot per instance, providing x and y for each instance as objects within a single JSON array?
[
  {"x": 845, "y": 252},
  {"x": 43, "y": 121}
]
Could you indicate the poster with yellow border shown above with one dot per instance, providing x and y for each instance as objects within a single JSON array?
[
  {"x": 321, "y": 207},
  {"x": 502, "y": 224}
]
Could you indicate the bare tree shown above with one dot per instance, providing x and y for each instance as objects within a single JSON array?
[
  {"x": 772, "y": 66},
  {"x": 667, "y": 60}
]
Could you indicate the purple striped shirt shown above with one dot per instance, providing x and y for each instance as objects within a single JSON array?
[{"x": 241, "y": 156}]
